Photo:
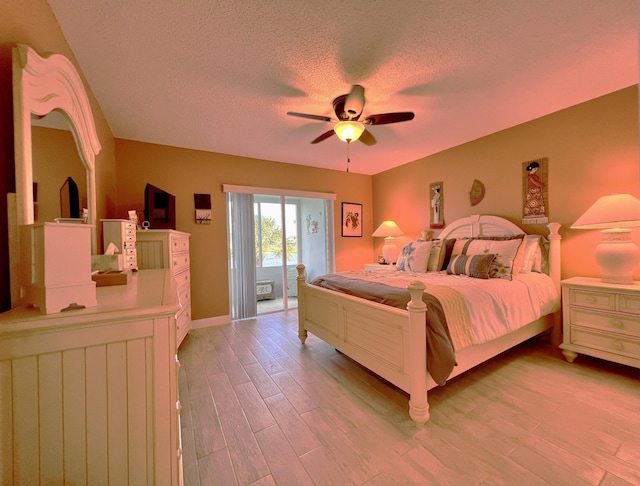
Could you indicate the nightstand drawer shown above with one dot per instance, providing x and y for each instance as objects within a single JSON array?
[
  {"x": 629, "y": 304},
  {"x": 593, "y": 299},
  {"x": 605, "y": 342},
  {"x": 605, "y": 322}
]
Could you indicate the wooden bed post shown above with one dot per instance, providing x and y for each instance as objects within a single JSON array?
[
  {"x": 418, "y": 403},
  {"x": 554, "y": 253},
  {"x": 300, "y": 279},
  {"x": 555, "y": 274}
]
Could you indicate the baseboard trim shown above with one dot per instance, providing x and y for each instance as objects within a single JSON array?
[{"x": 211, "y": 321}]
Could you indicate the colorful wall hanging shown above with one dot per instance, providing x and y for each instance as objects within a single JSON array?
[{"x": 535, "y": 202}]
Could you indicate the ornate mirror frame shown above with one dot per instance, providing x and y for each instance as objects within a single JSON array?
[{"x": 42, "y": 85}]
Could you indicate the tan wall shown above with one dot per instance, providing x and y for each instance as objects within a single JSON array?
[
  {"x": 32, "y": 22},
  {"x": 184, "y": 173},
  {"x": 592, "y": 150}
]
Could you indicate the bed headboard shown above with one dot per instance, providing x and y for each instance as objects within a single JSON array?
[
  {"x": 487, "y": 225},
  {"x": 480, "y": 225}
]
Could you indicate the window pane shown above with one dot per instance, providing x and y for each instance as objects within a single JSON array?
[{"x": 271, "y": 234}]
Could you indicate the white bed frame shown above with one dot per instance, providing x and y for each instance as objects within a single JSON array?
[{"x": 391, "y": 342}]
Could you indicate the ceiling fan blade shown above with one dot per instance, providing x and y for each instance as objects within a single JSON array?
[
  {"x": 386, "y": 118},
  {"x": 354, "y": 103},
  {"x": 312, "y": 117},
  {"x": 367, "y": 138},
  {"x": 338, "y": 107},
  {"x": 324, "y": 136}
]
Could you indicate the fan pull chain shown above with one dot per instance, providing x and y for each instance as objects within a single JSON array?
[{"x": 348, "y": 155}]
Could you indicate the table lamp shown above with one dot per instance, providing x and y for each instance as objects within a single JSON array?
[
  {"x": 616, "y": 255},
  {"x": 388, "y": 230}
]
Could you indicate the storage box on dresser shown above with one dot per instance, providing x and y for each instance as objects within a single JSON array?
[
  {"x": 601, "y": 319},
  {"x": 169, "y": 249},
  {"x": 122, "y": 233}
]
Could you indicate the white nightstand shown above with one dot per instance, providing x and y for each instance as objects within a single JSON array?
[
  {"x": 601, "y": 320},
  {"x": 378, "y": 266}
]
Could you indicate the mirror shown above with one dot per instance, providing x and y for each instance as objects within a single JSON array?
[
  {"x": 42, "y": 85},
  {"x": 58, "y": 171}
]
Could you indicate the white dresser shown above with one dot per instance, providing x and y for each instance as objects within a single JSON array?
[
  {"x": 601, "y": 320},
  {"x": 169, "y": 249},
  {"x": 90, "y": 396},
  {"x": 122, "y": 233}
]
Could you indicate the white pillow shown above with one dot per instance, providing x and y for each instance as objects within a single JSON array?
[
  {"x": 504, "y": 250},
  {"x": 414, "y": 257},
  {"x": 532, "y": 259}
]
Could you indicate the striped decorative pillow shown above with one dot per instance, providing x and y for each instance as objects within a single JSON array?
[{"x": 476, "y": 266}]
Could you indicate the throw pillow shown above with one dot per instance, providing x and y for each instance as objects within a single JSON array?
[{"x": 477, "y": 266}]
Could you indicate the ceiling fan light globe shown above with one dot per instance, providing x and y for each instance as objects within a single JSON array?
[{"x": 348, "y": 131}]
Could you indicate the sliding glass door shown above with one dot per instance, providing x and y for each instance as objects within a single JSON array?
[
  {"x": 286, "y": 230},
  {"x": 276, "y": 242}
]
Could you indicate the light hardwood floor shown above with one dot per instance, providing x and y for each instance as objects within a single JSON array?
[{"x": 260, "y": 409}]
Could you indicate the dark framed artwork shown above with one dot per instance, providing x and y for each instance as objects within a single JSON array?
[
  {"x": 351, "y": 219},
  {"x": 436, "y": 190}
]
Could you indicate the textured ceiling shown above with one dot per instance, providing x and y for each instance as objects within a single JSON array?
[{"x": 220, "y": 75}]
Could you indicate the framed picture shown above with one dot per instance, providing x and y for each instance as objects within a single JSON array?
[
  {"x": 351, "y": 219},
  {"x": 437, "y": 205}
]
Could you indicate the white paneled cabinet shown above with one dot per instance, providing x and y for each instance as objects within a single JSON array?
[
  {"x": 169, "y": 249},
  {"x": 90, "y": 396}
]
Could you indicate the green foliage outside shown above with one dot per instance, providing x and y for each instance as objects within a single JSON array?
[{"x": 270, "y": 234}]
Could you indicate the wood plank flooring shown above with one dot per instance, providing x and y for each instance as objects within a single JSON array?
[{"x": 260, "y": 409}]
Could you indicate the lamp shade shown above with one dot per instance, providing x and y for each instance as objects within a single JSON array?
[
  {"x": 613, "y": 211},
  {"x": 388, "y": 228},
  {"x": 616, "y": 255},
  {"x": 348, "y": 131}
]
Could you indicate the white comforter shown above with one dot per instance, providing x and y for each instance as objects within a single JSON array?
[{"x": 496, "y": 306}]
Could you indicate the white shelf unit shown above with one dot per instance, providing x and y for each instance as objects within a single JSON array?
[{"x": 122, "y": 233}]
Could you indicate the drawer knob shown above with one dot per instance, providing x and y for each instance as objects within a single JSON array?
[
  {"x": 591, "y": 300},
  {"x": 617, "y": 345},
  {"x": 617, "y": 323}
]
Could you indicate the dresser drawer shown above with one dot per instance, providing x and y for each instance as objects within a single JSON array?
[
  {"x": 617, "y": 323},
  {"x": 184, "y": 295},
  {"x": 592, "y": 299},
  {"x": 183, "y": 322},
  {"x": 183, "y": 279},
  {"x": 602, "y": 341},
  {"x": 179, "y": 262},
  {"x": 179, "y": 243}
]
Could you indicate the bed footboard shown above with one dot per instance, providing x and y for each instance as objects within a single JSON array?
[{"x": 390, "y": 342}]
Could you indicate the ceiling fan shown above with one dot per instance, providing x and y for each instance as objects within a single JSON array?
[{"x": 348, "y": 127}]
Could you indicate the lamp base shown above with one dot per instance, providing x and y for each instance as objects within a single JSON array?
[
  {"x": 617, "y": 256},
  {"x": 390, "y": 251}
]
